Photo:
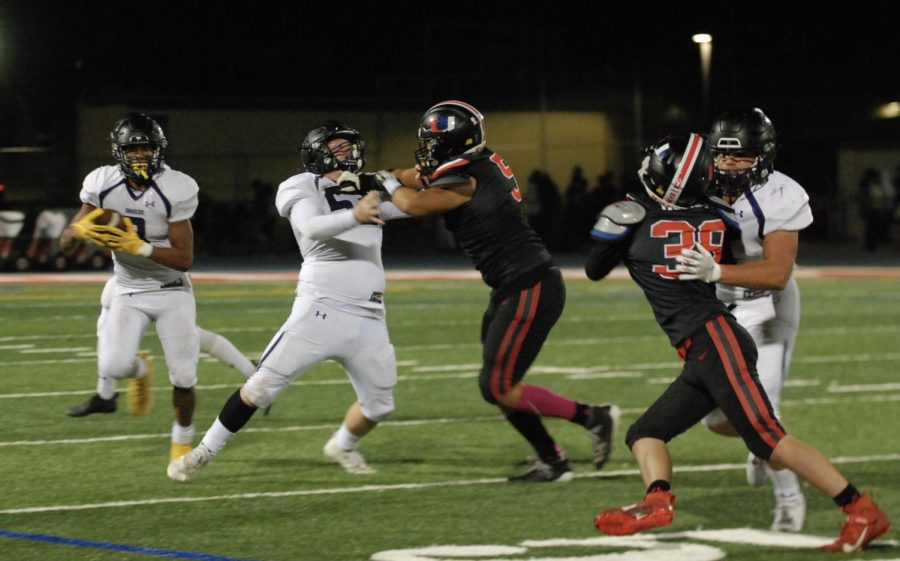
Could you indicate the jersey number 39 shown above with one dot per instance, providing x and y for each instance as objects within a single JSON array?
[{"x": 710, "y": 234}]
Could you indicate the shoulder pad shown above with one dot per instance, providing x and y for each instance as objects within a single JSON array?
[
  {"x": 625, "y": 213},
  {"x": 616, "y": 220}
]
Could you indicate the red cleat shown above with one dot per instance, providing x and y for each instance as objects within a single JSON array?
[
  {"x": 656, "y": 510},
  {"x": 865, "y": 522}
]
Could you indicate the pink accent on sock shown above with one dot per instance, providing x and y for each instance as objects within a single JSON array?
[{"x": 545, "y": 403}]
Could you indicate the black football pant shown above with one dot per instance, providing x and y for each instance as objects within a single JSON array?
[{"x": 719, "y": 370}]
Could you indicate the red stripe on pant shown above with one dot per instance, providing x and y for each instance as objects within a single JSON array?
[
  {"x": 766, "y": 426},
  {"x": 501, "y": 374}
]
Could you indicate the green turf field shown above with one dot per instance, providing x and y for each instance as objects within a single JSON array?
[{"x": 95, "y": 488}]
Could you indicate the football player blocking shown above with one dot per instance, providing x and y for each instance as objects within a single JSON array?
[
  {"x": 339, "y": 309},
  {"x": 769, "y": 210},
  {"x": 647, "y": 233},
  {"x": 476, "y": 192},
  {"x": 152, "y": 257}
]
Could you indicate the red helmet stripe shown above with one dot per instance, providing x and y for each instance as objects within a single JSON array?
[{"x": 691, "y": 154}]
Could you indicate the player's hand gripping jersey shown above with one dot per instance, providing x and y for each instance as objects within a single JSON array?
[
  {"x": 778, "y": 204},
  {"x": 341, "y": 258},
  {"x": 170, "y": 196},
  {"x": 491, "y": 228}
]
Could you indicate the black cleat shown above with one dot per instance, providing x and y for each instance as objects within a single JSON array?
[
  {"x": 542, "y": 472},
  {"x": 601, "y": 426},
  {"x": 95, "y": 404}
]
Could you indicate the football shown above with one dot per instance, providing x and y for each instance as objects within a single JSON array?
[{"x": 110, "y": 218}]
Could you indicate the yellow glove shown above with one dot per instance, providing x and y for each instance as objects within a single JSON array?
[
  {"x": 85, "y": 229},
  {"x": 127, "y": 241}
]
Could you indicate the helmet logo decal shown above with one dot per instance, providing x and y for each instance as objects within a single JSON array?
[{"x": 443, "y": 123}]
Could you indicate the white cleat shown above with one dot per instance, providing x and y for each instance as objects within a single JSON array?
[
  {"x": 184, "y": 467},
  {"x": 789, "y": 514},
  {"x": 756, "y": 470},
  {"x": 351, "y": 460}
]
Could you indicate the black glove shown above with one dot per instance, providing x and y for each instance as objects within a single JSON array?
[{"x": 370, "y": 181}]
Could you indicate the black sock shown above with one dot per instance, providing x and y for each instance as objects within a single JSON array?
[
  {"x": 582, "y": 412},
  {"x": 847, "y": 496},
  {"x": 659, "y": 485},
  {"x": 532, "y": 428},
  {"x": 235, "y": 413}
]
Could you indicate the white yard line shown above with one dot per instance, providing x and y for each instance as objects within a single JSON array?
[{"x": 395, "y": 487}]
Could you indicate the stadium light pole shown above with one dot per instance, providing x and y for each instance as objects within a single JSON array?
[{"x": 704, "y": 41}]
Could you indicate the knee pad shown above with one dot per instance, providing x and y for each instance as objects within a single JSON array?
[
  {"x": 264, "y": 386},
  {"x": 642, "y": 429},
  {"x": 486, "y": 394},
  {"x": 374, "y": 373},
  {"x": 116, "y": 364},
  {"x": 378, "y": 407}
]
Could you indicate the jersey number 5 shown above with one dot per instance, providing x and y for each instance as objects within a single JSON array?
[
  {"x": 508, "y": 173},
  {"x": 710, "y": 234}
]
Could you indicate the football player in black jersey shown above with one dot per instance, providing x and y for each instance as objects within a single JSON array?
[
  {"x": 478, "y": 195},
  {"x": 648, "y": 232}
]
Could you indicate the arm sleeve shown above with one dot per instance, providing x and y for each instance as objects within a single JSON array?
[
  {"x": 603, "y": 258},
  {"x": 307, "y": 218},
  {"x": 389, "y": 211}
]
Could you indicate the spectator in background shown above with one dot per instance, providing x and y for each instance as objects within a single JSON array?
[
  {"x": 577, "y": 211},
  {"x": 11, "y": 222},
  {"x": 877, "y": 200},
  {"x": 264, "y": 215},
  {"x": 604, "y": 193},
  {"x": 544, "y": 205},
  {"x": 48, "y": 226}
]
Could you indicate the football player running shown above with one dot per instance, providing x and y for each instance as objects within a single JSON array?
[
  {"x": 648, "y": 232},
  {"x": 151, "y": 257},
  {"x": 339, "y": 310},
  {"x": 477, "y": 194},
  {"x": 770, "y": 209},
  {"x": 211, "y": 343}
]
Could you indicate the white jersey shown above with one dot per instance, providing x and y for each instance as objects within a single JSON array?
[
  {"x": 779, "y": 204},
  {"x": 171, "y": 196},
  {"x": 341, "y": 258}
]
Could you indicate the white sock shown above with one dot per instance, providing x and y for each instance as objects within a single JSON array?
[
  {"x": 216, "y": 437},
  {"x": 222, "y": 349},
  {"x": 345, "y": 439},
  {"x": 182, "y": 435},
  {"x": 106, "y": 387},
  {"x": 784, "y": 482}
]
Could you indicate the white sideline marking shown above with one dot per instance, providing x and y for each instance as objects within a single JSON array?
[
  {"x": 295, "y": 428},
  {"x": 863, "y": 388},
  {"x": 400, "y": 487}
]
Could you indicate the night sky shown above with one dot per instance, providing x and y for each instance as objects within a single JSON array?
[{"x": 817, "y": 70}]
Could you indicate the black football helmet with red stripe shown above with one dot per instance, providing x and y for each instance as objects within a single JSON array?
[
  {"x": 743, "y": 132},
  {"x": 677, "y": 171},
  {"x": 448, "y": 129}
]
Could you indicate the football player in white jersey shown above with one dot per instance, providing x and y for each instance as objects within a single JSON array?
[
  {"x": 211, "y": 343},
  {"x": 770, "y": 209},
  {"x": 151, "y": 259},
  {"x": 338, "y": 313}
]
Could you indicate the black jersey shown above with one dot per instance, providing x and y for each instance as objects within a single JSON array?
[
  {"x": 491, "y": 228},
  {"x": 649, "y": 250}
]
